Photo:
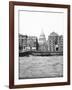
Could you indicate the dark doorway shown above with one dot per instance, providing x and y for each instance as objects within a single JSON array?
[{"x": 56, "y": 48}]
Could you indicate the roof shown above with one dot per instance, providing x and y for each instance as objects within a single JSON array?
[{"x": 53, "y": 34}]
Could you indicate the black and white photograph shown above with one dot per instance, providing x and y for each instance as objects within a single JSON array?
[
  {"x": 40, "y": 57},
  {"x": 41, "y": 43}
]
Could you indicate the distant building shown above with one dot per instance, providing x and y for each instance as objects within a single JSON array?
[
  {"x": 22, "y": 42},
  {"x": 53, "y": 42},
  {"x": 42, "y": 38},
  {"x": 61, "y": 43},
  {"x": 42, "y": 42},
  {"x": 32, "y": 43},
  {"x": 27, "y": 43}
]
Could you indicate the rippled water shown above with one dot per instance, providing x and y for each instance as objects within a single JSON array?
[{"x": 38, "y": 66}]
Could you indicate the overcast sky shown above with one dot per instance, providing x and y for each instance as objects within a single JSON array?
[{"x": 32, "y": 23}]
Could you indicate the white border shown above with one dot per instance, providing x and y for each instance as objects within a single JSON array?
[{"x": 41, "y": 80}]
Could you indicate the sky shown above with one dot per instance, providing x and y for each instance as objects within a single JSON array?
[{"x": 32, "y": 23}]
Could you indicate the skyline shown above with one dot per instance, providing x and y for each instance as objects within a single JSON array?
[
  {"x": 40, "y": 34},
  {"x": 31, "y": 23}
]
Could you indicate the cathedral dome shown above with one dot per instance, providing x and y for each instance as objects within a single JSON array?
[{"x": 42, "y": 38}]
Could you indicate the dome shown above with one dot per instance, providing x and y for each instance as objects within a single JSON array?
[
  {"x": 42, "y": 38},
  {"x": 42, "y": 35},
  {"x": 53, "y": 34}
]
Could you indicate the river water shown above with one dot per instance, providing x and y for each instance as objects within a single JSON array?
[{"x": 40, "y": 67}]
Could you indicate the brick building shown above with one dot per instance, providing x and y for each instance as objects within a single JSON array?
[
  {"x": 55, "y": 42},
  {"x": 61, "y": 43},
  {"x": 32, "y": 43},
  {"x": 27, "y": 43},
  {"x": 22, "y": 42}
]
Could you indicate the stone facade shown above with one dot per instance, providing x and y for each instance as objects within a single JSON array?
[
  {"x": 43, "y": 47},
  {"x": 61, "y": 43},
  {"x": 22, "y": 42},
  {"x": 42, "y": 42},
  {"x": 31, "y": 43},
  {"x": 27, "y": 43},
  {"x": 42, "y": 38},
  {"x": 55, "y": 43}
]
